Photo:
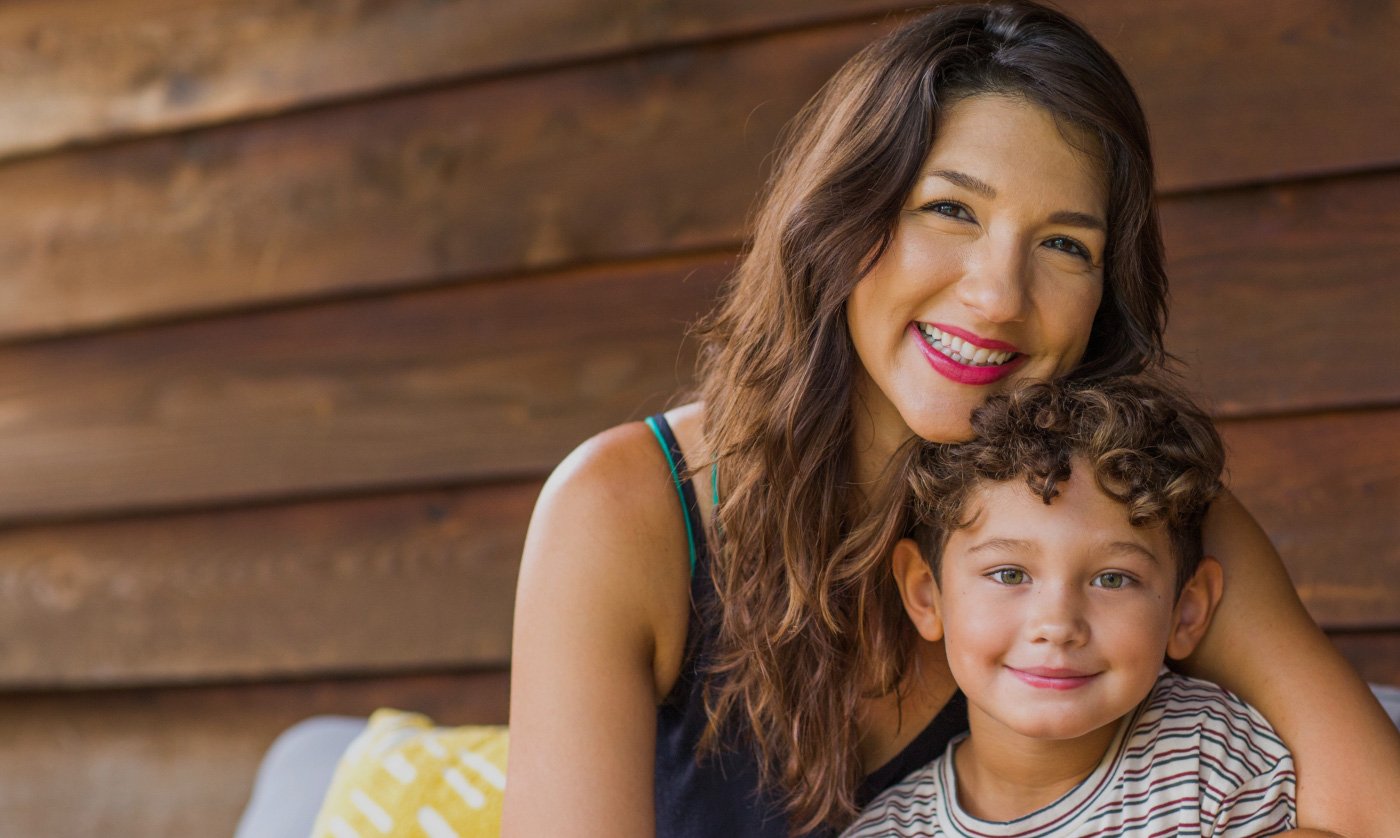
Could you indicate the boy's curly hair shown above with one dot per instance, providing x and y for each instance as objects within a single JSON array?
[{"x": 1149, "y": 447}]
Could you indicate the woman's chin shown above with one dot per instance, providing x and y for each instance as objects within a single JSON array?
[{"x": 941, "y": 429}]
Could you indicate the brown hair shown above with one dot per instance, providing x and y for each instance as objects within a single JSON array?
[
  {"x": 807, "y": 619},
  {"x": 1146, "y": 446}
]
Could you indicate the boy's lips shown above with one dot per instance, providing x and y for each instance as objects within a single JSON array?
[{"x": 1052, "y": 678}]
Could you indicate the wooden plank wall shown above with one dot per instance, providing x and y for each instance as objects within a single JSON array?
[{"x": 301, "y": 301}]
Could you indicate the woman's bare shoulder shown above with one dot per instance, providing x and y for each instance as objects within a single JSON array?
[
  {"x": 608, "y": 528},
  {"x": 622, "y": 475}
]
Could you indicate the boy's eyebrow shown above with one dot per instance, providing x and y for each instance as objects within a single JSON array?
[
  {"x": 1018, "y": 545},
  {"x": 1002, "y": 545},
  {"x": 1121, "y": 547}
]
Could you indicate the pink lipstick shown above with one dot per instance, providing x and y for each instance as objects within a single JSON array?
[{"x": 966, "y": 373}]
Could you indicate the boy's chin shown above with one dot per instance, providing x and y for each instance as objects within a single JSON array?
[
  {"x": 1061, "y": 730},
  {"x": 1055, "y": 725}
]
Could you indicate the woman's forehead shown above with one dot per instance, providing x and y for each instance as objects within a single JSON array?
[{"x": 1003, "y": 144}]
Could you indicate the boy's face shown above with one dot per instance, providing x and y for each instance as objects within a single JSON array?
[{"x": 1056, "y": 617}]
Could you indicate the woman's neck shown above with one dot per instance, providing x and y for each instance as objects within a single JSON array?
[
  {"x": 874, "y": 441},
  {"x": 1003, "y": 775}
]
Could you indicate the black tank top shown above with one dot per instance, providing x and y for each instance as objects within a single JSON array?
[{"x": 719, "y": 795}]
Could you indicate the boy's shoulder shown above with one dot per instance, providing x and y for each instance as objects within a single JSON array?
[
  {"x": 1183, "y": 712},
  {"x": 1198, "y": 750}
]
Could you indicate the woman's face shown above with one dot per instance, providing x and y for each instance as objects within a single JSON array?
[{"x": 994, "y": 273}]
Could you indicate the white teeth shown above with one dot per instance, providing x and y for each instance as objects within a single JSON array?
[{"x": 960, "y": 350}]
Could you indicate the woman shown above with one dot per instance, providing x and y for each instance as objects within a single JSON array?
[{"x": 966, "y": 204}]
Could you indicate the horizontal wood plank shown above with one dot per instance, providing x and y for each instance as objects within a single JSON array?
[
  {"x": 426, "y": 580},
  {"x": 455, "y": 385},
  {"x": 1287, "y": 298},
  {"x": 639, "y": 156},
  {"x": 1222, "y": 84},
  {"x": 79, "y": 71},
  {"x": 1375, "y": 654},
  {"x": 643, "y": 156},
  {"x": 1326, "y": 490},
  {"x": 385, "y": 584},
  {"x": 182, "y": 761}
]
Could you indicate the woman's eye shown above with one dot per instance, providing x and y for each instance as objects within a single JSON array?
[
  {"x": 1009, "y": 576},
  {"x": 1069, "y": 246},
  {"x": 952, "y": 209},
  {"x": 1110, "y": 580}
]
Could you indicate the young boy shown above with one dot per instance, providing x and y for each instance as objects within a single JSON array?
[{"x": 1058, "y": 558}]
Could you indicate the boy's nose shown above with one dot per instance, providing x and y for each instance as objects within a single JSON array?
[{"x": 1057, "y": 619}]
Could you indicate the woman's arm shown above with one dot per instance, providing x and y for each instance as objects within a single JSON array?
[
  {"x": 602, "y": 589},
  {"x": 1263, "y": 645}
]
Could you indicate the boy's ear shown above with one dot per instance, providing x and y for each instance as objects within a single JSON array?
[
  {"x": 918, "y": 589},
  {"x": 1195, "y": 607}
]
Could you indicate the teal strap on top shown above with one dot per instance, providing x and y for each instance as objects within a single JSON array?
[
  {"x": 714, "y": 482},
  {"x": 680, "y": 491}
]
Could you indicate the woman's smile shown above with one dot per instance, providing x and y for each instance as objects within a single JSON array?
[{"x": 964, "y": 360}]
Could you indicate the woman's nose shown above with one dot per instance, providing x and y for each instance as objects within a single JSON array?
[{"x": 994, "y": 284}]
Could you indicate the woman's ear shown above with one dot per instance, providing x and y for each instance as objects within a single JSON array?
[
  {"x": 918, "y": 589},
  {"x": 1195, "y": 607}
]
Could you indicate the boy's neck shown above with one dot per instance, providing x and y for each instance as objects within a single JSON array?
[{"x": 1003, "y": 775}]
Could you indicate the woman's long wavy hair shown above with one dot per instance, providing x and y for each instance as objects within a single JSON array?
[{"x": 807, "y": 617}]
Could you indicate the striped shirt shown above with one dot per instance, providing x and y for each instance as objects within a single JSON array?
[{"x": 1191, "y": 759}]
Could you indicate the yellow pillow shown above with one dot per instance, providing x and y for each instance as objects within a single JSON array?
[{"x": 403, "y": 777}]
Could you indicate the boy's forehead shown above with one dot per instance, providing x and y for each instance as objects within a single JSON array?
[{"x": 1080, "y": 514}]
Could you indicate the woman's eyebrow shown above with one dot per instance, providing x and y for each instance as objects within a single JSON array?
[
  {"x": 966, "y": 181},
  {"x": 1079, "y": 219},
  {"x": 986, "y": 190}
]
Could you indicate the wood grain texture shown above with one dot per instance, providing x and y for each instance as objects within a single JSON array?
[
  {"x": 78, "y": 71},
  {"x": 1375, "y": 654},
  {"x": 1287, "y": 298},
  {"x": 454, "y": 385},
  {"x": 396, "y": 583},
  {"x": 182, "y": 761},
  {"x": 1326, "y": 490},
  {"x": 426, "y": 580},
  {"x": 641, "y": 155},
  {"x": 1238, "y": 93}
]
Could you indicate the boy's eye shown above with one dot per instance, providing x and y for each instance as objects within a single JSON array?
[
  {"x": 1110, "y": 580},
  {"x": 1009, "y": 576}
]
